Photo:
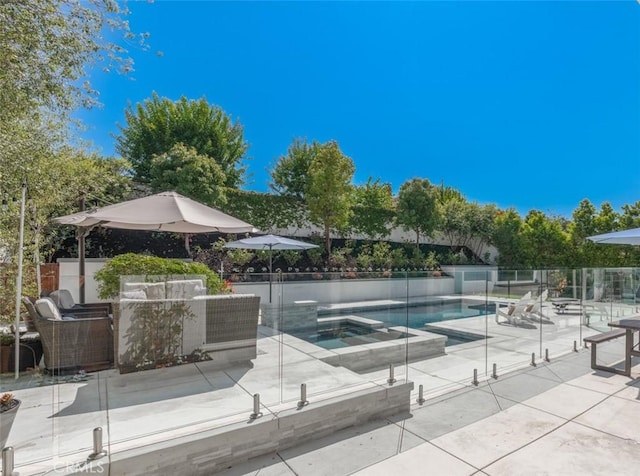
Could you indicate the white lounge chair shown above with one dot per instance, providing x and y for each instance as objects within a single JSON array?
[
  {"x": 533, "y": 311},
  {"x": 514, "y": 312}
]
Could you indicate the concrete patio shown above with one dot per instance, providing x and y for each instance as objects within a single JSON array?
[
  {"x": 558, "y": 418},
  {"x": 512, "y": 424}
]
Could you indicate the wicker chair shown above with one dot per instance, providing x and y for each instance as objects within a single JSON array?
[{"x": 84, "y": 343}]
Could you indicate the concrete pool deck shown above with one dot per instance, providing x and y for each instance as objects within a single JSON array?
[
  {"x": 55, "y": 421},
  {"x": 558, "y": 418}
]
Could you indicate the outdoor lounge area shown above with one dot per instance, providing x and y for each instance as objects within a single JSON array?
[{"x": 292, "y": 400}]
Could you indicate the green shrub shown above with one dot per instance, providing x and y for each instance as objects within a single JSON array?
[
  {"x": 365, "y": 258},
  {"x": 108, "y": 277},
  {"x": 382, "y": 255},
  {"x": 291, "y": 257},
  {"x": 315, "y": 256},
  {"x": 399, "y": 258}
]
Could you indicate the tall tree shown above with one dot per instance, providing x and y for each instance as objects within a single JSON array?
[
  {"x": 630, "y": 217},
  {"x": 289, "y": 175},
  {"x": 157, "y": 124},
  {"x": 545, "y": 240},
  {"x": 454, "y": 224},
  {"x": 47, "y": 47},
  {"x": 446, "y": 193},
  {"x": 329, "y": 190},
  {"x": 184, "y": 170},
  {"x": 372, "y": 209},
  {"x": 417, "y": 208},
  {"x": 508, "y": 240}
]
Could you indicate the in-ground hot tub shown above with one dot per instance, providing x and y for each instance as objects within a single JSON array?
[{"x": 362, "y": 345}]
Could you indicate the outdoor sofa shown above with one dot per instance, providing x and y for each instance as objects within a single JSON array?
[{"x": 165, "y": 323}]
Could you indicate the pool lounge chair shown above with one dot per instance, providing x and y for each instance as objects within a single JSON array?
[
  {"x": 533, "y": 311},
  {"x": 514, "y": 312}
]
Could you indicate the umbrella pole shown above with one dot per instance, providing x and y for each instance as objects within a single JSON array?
[
  {"x": 81, "y": 257},
  {"x": 270, "y": 270},
  {"x": 19, "y": 281}
]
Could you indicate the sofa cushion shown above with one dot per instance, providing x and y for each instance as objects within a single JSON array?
[
  {"x": 63, "y": 298},
  {"x": 48, "y": 309},
  {"x": 135, "y": 294},
  {"x": 185, "y": 289},
  {"x": 152, "y": 290}
]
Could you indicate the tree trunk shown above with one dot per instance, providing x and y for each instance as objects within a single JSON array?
[{"x": 327, "y": 241}]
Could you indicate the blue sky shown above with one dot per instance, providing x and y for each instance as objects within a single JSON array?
[{"x": 532, "y": 105}]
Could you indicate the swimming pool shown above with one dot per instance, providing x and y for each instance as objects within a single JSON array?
[{"x": 417, "y": 316}]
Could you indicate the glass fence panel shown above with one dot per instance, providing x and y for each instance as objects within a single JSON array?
[
  {"x": 449, "y": 313},
  {"x": 179, "y": 356},
  {"x": 341, "y": 331},
  {"x": 512, "y": 337},
  {"x": 197, "y": 364},
  {"x": 56, "y": 380},
  {"x": 558, "y": 312}
]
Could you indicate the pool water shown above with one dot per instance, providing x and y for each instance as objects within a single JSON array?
[
  {"x": 350, "y": 335},
  {"x": 417, "y": 316}
]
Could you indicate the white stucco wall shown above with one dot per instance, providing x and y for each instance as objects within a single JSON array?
[{"x": 349, "y": 290}]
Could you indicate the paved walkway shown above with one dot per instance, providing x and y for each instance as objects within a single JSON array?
[{"x": 558, "y": 418}]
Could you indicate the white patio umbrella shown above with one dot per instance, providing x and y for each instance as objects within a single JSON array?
[
  {"x": 166, "y": 211},
  {"x": 625, "y": 237},
  {"x": 270, "y": 242}
]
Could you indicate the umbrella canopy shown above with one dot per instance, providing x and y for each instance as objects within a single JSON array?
[
  {"x": 625, "y": 237},
  {"x": 270, "y": 242},
  {"x": 166, "y": 211}
]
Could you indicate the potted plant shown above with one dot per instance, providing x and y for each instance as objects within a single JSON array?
[{"x": 8, "y": 409}]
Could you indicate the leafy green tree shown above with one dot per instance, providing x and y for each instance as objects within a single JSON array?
[
  {"x": 630, "y": 217},
  {"x": 417, "y": 208},
  {"x": 289, "y": 175},
  {"x": 583, "y": 221},
  {"x": 446, "y": 194},
  {"x": 184, "y": 170},
  {"x": 508, "y": 240},
  {"x": 47, "y": 48},
  {"x": 482, "y": 221},
  {"x": 454, "y": 224},
  {"x": 583, "y": 225},
  {"x": 545, "y": 241},
  {"x": 372, "y": 209},
  {"x": 329, "y": 191},
  {"x": 157, "y": 124}
]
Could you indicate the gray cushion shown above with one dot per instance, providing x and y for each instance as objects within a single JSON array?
[
  {"x": 48, "y": 309},
  {"x": 63, "y": 298}
]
